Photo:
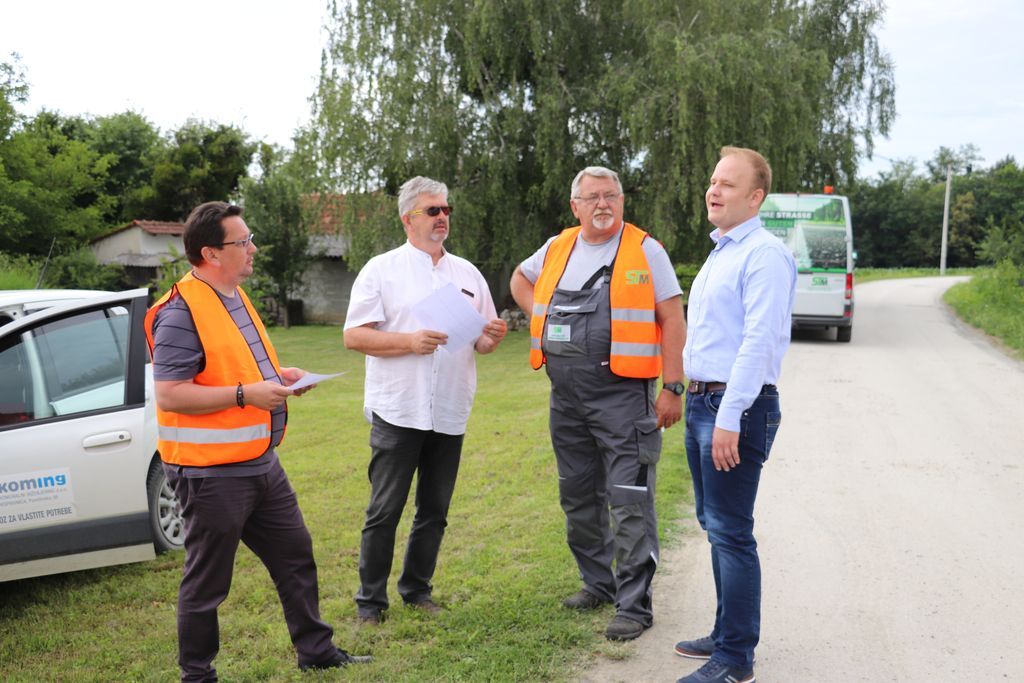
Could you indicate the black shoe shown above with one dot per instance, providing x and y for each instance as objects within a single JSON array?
[
  {"x": 718, "y": 672},
  {"x": 340, "y": 659},
  {"x": 623, "y": 628},
  {"x": 702, "y": 648},
  {"x": 428, "y": 606},
  {"x": 583, "y": 600}
]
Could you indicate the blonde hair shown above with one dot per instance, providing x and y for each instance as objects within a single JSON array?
[{"x": 762, "y": 171}]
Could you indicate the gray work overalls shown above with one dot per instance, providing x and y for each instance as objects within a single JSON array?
[{"x": 606, "y": 442}]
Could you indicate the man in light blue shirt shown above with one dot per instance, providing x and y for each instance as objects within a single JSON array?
[{"x": 739, "y": 325}]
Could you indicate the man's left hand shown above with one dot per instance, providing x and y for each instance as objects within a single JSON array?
[
  {"x": 669, "y": 408},
  {"x": 725, "y": 449},
  {"x": 290, "y": 376},
  {"x": 492, "y": 334}
]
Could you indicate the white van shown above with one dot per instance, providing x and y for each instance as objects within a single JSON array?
[{"x": 817, "y": 228}]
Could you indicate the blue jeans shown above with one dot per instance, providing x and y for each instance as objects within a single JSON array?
[{"x": 725, "y": 510}]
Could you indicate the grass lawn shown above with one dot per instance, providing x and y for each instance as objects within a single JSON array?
[
  {"x": 993, "y": 300},
  {"x": 503, "y": 569},
  {"x": 862, "y": 275}
]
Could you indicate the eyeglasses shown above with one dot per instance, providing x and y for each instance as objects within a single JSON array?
[
  {"x": 594, "y": 199},
  {"x": 432, "y": 211},
  {"x": 239, "y": 243}
]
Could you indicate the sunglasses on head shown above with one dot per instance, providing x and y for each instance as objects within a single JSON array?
[{"x": 432, "y": 211}]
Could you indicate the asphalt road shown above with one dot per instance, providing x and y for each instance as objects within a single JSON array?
[{"x": 890, "y": 519}]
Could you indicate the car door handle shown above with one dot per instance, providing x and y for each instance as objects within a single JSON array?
[{"x": 106, "y": 439}]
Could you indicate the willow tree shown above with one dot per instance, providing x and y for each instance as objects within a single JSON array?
[{"x": 505, "y": 101}]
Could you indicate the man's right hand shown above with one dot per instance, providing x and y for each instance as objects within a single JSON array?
[
  {"x": 266, "y": 395},
  {"x": 425, "y": 342}
]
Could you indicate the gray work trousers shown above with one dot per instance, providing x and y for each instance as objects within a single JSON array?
[{"x": 606, "y": 442}]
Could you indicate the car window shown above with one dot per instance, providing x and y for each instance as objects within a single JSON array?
[{"x": 71, "y": 365}]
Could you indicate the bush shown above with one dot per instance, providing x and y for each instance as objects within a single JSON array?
[
  {"x": 81, "y": 270},
  {"x": 17, "y": 272},
  {"x": 686, "y": 273},
  {"x": 1003, "y": 241}
]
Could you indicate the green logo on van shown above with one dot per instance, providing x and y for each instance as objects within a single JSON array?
[
  {"x": 819, "y": 281},
  {"x": 638, "y": 277}
]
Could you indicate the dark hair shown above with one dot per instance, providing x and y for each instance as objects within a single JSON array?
[{"x": 203, "y": 228}]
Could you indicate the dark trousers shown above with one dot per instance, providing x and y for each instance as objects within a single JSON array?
[
  {"x": 396, "y": 454},
  {"x": 263, "y": 513},
  {"x": 724, "y": 503}
]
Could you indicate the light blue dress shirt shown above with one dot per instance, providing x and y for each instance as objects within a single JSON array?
[{"x": 738, "y": 318}]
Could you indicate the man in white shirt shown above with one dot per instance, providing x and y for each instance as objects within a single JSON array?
[{"x": 417, "y": 395}]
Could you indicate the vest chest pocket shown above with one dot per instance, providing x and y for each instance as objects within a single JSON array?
[{"x": 571, "y": 328}]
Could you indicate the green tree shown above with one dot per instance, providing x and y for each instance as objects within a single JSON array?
[
  {"x": 201, "y": 162},
  {"x": 898, "y": 216},
  {"x": 507, "y": 101},
  {"x": 13, "y": 90},
  {"x": 961, "y": 161},
  {"x": 134, "y": 145},
  {"x": 51, "y": 189},
  {"x": 275, "y": 213}
]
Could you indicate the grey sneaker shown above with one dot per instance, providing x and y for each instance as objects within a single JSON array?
[
  {"x": 719, "y": 672},
  {"x": 702, "y": 648},
  {"x": 623, "y": 628},
  {"x": 583, "y": 600}
]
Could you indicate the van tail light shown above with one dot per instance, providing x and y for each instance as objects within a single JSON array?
[{"x": 848, "y": 297}]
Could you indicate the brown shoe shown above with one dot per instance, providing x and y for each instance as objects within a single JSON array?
[
  {"x": 428, "y": 606},
  {"x": 583, "y": 600},
  {"x": 371, "y": 618},
  {"x": 623, "y": 628}
]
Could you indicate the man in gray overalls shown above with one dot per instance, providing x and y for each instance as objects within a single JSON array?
[{"x": 607, "y": 321}]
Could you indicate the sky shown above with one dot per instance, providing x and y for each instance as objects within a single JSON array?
[{"x": 959, "y": 67}]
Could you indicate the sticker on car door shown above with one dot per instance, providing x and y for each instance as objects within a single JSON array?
[{"x": 33, "y": 497}]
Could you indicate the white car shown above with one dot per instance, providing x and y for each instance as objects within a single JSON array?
[{"x": 81, "y": 484}]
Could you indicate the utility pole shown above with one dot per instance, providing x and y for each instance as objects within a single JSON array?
[{"x": 945, "y": 219}]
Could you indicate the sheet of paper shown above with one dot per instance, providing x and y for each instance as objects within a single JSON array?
[
  {"x": 311, "y": 378},
  {"x": 448, "y": 310}
]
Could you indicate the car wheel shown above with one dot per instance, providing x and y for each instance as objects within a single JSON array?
[
  {"x": 165, "y": 520},
  {"x": 843, "y": 334}
]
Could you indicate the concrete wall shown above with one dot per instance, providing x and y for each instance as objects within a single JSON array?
[{"x": 325, "y": 294}]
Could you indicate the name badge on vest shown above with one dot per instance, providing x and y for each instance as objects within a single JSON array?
[{"x": 559, "y": 333}]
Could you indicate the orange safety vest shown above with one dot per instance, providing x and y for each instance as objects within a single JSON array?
[
  {"x": 636, "y": 336},
  {"x": 225, "y": 436}
]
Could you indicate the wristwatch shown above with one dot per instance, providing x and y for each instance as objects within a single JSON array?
[{"x": 676, "y": 388}]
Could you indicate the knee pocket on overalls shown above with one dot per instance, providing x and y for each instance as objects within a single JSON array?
[
  {"x": 575, "y": 491},
  {"x": 629, "y": 521},
  {"x": 648, "y": 441}
]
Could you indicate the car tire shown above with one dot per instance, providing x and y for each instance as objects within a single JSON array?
[
  {"x": 844, "y": 334},
  {"x": 165, "y": 521}
]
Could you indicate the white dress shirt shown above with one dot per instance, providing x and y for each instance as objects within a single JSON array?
[
  {"x": 738, "y": 318},
  {"x": 429, "y": 392}
]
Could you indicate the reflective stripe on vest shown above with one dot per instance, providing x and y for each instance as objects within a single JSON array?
[
  {"x": 225, "y": 436},
  {"x": 634, "y": 315},
  {"x": 200, "y": 435},
  {"x": 636, "y": 337}
]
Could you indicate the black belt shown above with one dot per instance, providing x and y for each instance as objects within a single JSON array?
[{"x": 695, "y": 387}]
